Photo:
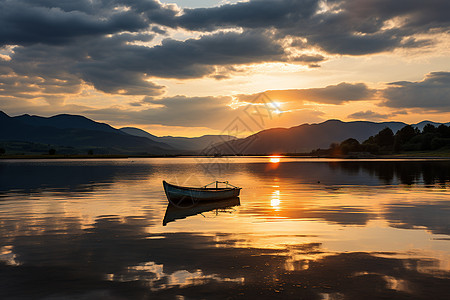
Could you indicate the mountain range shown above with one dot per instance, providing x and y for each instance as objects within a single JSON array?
[
  {"x": 74, "y": 134},
  {"x": 307, "y": 137},
  {"x": 304, "y": 138},
  {"x": 195, "y": 144}
]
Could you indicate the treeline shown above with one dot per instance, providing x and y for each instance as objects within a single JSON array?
[{"x": 408, "y": 138}]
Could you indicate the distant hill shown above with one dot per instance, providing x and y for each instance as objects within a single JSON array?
[
  {"x": 66, "y": 121},
  {"x": 422, "y": 124},
  {"x": 138, "y": 132},
  {"x": 77, "y": 134},
  {"x": 196, "y": 144},
  {"x": 304, "y": 138},
  {"x": 58, "y": 131}
]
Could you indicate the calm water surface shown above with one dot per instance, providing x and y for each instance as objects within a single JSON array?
[{"x": 302, "y": 229}]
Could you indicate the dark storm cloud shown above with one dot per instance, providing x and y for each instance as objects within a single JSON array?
[{"x": 432, "y": 93}]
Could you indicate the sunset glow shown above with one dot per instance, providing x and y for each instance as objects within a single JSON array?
[
  {"x": 178, "y": 73},
  {"x": 274, "y": 159},
  {"x": 225, "y": 149}
]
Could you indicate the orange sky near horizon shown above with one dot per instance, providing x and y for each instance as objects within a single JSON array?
[{"x": 186, "y": 68}]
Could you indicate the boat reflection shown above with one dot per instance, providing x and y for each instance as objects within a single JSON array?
[{"x": 174, "y": 213}]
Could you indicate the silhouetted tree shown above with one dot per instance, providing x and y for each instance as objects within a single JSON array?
[
  {"x": 385, "y": 138},
  {"x": 437, "y": 143},
  {"x": 403, "y": 136},
  {"x": 443, "y": 131},
  {"x": 429, "y": 128},
  {"x": 406, "y": 139},
  {"x": 370, "y": 140},
  {"x": 334, "y": 146},
  {"x": 2, "y": 151},
  {"x": 334, "y": 150},
  {"x": 371, "y": 148},
  {"x": 52, "y": 151},
  {"x": 397, "y": 145},
  {"x": 406, "y": 133},
  {"x": 350, "y": 145},
  {"x": 426, "y": 138},
  {"x": 91, "y": 152}
]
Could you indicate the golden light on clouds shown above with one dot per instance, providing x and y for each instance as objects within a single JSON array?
[{"x": 316, "y": 61}]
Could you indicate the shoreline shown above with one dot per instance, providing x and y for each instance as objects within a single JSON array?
[{"x": 411, "y": 156}]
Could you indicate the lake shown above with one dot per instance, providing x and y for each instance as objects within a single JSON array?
[{"x": 301, "y": 229}]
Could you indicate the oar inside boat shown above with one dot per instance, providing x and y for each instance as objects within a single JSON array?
[{"x": 227, "y": 184}]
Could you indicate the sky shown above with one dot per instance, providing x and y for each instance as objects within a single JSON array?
[{"x": 191, "y": 67}]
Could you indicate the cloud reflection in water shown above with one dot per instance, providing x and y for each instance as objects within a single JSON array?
[{"x": 101, "y": 236}]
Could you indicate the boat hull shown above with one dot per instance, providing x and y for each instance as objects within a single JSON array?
[{"x": 177, "y": 194}]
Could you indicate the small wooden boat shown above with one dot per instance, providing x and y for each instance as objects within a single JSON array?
[
  {"x": 174, "y": 213},
  {"x": 178, "y": 195}
]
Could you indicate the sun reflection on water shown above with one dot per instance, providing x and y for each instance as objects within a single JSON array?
[
  {"x": 275, "y": 200},
  {"x": 352, "y": 222}
]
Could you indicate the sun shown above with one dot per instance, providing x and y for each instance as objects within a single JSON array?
[
  {"x": 274, "y": 159},
  {"x": 276, "y": 107}
]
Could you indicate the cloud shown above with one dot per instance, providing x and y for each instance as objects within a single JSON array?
[
  {"x": 68, "y": 43},
  {"x": 18, "y": 88},
  {"x": 309, "y": 58},
  {"x": 55, "y": 22},
  {"x": 217, "y": 264},
  {"x": 114, "y": 65},
  {"x": 331, "y": 94},
  {"x": 432, "y": 93},
  {"x": 196, "y": 57},
  {"x": 50, "y": 49},
  {"x": 342, "y": 27},
  {"x": 212, "y": 112},
  {"x": 251, "y": 14},
  {"x": 215, "y": 111},
  {"x": 368, "y": 115},
  {"x": 433, "y": 216},
  {"x": 214, "y": 259},
  {"x": 115, "y": 45}
]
